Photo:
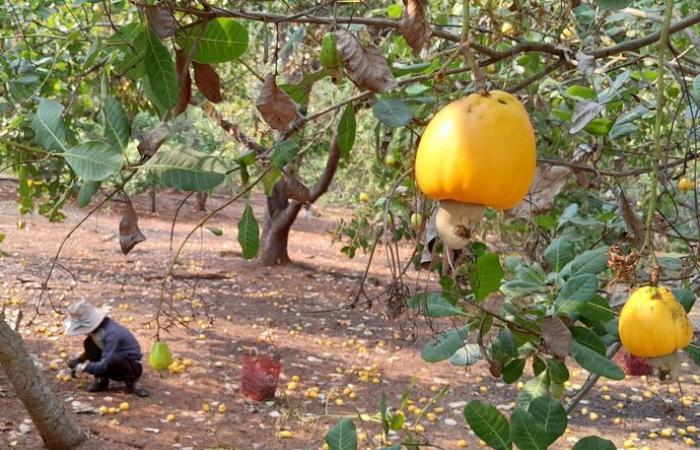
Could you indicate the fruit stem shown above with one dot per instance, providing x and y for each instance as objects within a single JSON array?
[
  {"x": 656, "y": 152},
  {"x": 465, "y": 50}
]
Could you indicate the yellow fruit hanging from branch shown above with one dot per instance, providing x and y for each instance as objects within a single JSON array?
[
  {"x": 654, "y": 325},
  {"x": 476, "y": 152}
]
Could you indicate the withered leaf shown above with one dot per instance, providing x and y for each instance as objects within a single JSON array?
[
  {"x": 276, "y": 107},
  {"x": 208, "y": 81},
  {"x": 161, "y": 21},
  {"x": 414, "y": 25},
  {"x": 129, "y": 232},
  {"x": 556, "y": 337},
  {"x": 185, "y": 81},
  {"x": 150, "y": 142},
  {"x": 296, "y": 190},
  {"x": 548, "y": 181},
  {"x": 365, "y": 66},
  {"x": 633, "y": 223}
]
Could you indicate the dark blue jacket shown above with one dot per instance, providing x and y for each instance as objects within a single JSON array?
[{"x": 116, "y": 341}]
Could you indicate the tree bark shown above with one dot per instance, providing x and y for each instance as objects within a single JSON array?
[
  {"x": 56, "y": 428},
  {"x": 282, "y": 212},
  {"x": 200, "y": 201}
]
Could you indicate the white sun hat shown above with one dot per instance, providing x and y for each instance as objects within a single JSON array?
[{"x": 83, "y": 318}]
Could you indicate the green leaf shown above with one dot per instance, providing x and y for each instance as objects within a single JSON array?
[
  {"x": 87, "y": 191},
  {"x": 557, "y": 371},
  {"x": 519, "y": 288},
  {"x": 444, "y": 345},
  {"x": 591, "y": 261},
  {"x": 394, "y": 11},
  {"x": 693, "y": 350},
  {"x": 346, "y": 131},
  {"x": 534, "y": 388},
  {"x": 187, "y": 169},
  {"x": 283, "y": 153},
  {"x": 597, "y": 310},
  {"x": 513, "y": 370},
  {"x": 551, "y": 415},
  {"x": 343, "y": 436},
  {"x": 576, "y": 291},
  {"x": 223, "y": 40},
  {"x": 270, "y": 179},
  {"x": 685, "y": 297},
  {"x": 467, "y": 355},
  {"x": 392, "y": 112},
  {"x": 613, "y": 5},
  {"x": 525, "y": 432},
  {"x": 489, "y": 424},
  {"x": 581, "y": 91},
  {"x": 248, "y": 233},
  {"x": 94, "y": 161},
  {"x": 594, "y": 443},
  {"x": 117, "y": 127},
  {"x": 596, "y": 363},
  {"x": 433, "y": 304},
  {"x": 696, "y": 88},
  {"x": 383, "y": 413},
  {"x": 559, "y": 253},
  {"x": 587, "y": 337},
  {"x": 48, "y": 125},
  {"x": 160, "y": 72},
  {"x": 486, "y": 276}
]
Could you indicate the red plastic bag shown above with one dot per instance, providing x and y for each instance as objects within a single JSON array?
[{"x": 260, "y": 374}]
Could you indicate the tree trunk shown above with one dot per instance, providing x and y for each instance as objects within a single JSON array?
[
  {"x": 282, "y": 212},
  {"x": 56, "y": 428},
  {"x": 152, "y": 194},
  {"x": 200, "y": 201}
]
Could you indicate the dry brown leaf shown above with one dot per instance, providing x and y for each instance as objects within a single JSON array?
[
  {"x": 635, "y": 226},
  {"x": 185, "y": 81},
  {"x": 208, "y": 81},
  {"x": 547, "y": 183},
  {"x": 276, "y": 107},
  {"x": 129, "y": 232},
  {"x": 161, "y": 21},
  {"x": 365, "y": 65},
  {"x": 414, "y": 25},
  {"x": 150, "y": 142},
  {"x": 556, "y": 337},
  {"x": 296, "y": 190}
]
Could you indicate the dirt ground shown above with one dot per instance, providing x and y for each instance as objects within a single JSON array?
[{"x": 231, "y": 304}]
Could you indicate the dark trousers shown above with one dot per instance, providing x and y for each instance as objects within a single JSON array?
[{"x": 119, "y": 368}]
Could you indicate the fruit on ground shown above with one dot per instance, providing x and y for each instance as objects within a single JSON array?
[
  {"x": 124, "y": 406},
  {"x": 476, "y": 152},
  {"x": 161, "y": 357},
  {"x": 654, "y": 325},
  {"x": 364, "y": 197},
  {"x": 685, "y": 185},
  {"x": 390, "y": 160}
]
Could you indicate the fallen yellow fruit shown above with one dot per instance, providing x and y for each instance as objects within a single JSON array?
[
  {"x": 170, "y": 418},
  {"x": 222, "y": 408},
  {"x": 462, "y": 443},
  {"x": 285, "y": 434},
  {"x": 124, "y": 406},
  {"x": 112, "y": 410},
  {"x": 685, "y": 185},
  {"x": 205, "y": 407},
  {"x": 103, "y": 410}
]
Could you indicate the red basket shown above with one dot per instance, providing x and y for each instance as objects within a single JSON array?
[{"x": 260, "y": 374}]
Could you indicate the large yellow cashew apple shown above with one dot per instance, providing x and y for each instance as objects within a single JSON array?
[
  {"x": 477, "y": 151},
  {"x": 654, "y": 325}
]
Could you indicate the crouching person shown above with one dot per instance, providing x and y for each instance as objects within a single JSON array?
[{"x": 111, "y": 351}]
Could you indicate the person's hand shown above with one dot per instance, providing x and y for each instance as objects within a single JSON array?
[
  {"x": 73, "y": 363},
  {"x": 79, "y": 369}
]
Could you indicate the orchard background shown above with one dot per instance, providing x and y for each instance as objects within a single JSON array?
[{"x": 228, "y": 175}]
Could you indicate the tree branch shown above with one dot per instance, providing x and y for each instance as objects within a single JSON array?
[{"x": 326, "y": 177}]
